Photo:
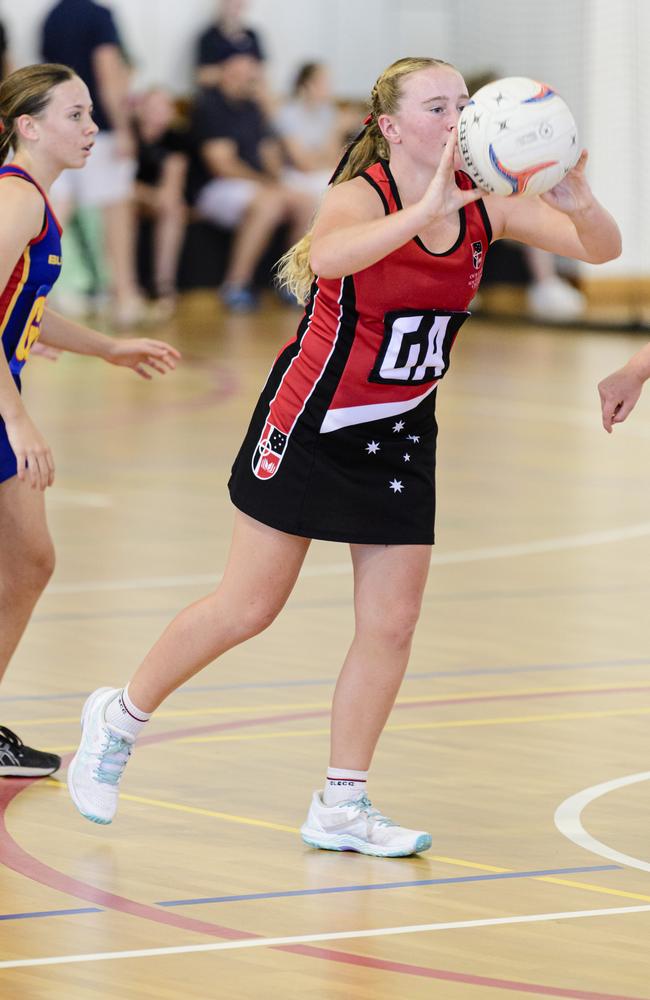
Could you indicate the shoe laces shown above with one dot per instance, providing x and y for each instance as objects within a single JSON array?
[
  {"x": 112, "y": 759},
  {"x": 10, "y": 737},
  {"x": 365, "y": 806}
]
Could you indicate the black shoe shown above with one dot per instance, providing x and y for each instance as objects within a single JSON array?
[{"x": 19, "y": 761}]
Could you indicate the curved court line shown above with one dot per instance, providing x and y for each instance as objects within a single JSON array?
[
  {"x": 411, "y": 701},
  {"x": 640, "y": 530},
  {"x": 568, "y": 822},
  {"x": 22, "y": 862},
  {"x": 191, "y": 689}
]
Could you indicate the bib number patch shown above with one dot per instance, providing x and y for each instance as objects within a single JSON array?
[{"x": 416, "y": 346}]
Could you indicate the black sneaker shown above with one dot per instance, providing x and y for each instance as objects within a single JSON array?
[{"x": 19, "y": 761}]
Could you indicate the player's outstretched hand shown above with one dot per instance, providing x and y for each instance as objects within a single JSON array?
[
  {"x": 443, "y": 196},
  {"x": 572, "y": 193},
  {"x": 619, "y": 393},
  {"x": 144, "y": 355}
]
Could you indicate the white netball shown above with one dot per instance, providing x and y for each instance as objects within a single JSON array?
[{"x": 517, "y": 136}]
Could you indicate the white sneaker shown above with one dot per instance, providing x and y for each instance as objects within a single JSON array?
[
  {"x": 555, "y": 299},
  {"x": 95, "y": 771},
  {"x": 354, "y": 825}
]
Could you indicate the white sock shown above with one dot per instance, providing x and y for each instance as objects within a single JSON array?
[
  {"x": 342, "y": 784},
  {"x": 123, "y": 715}
]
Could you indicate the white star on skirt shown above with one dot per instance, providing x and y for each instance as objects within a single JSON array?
[
  {"x": 396, "y": 486},
  {"x": 399, "y": 426},
  {"x": 413, "y": 437},
  {"x": 372, "y": 447},
  {"x": 407, "y": 457}
]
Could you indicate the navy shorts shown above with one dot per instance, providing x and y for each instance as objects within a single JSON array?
[{"x": 8, "y": 465}]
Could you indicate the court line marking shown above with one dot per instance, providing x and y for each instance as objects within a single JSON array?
[
  {"x": 283, "y": 828},
  {"x": 17, "y": 859},
  {"x": 400, "y": 727},
  {"x": 191, "y": 689},
  {"x": 409, "y": 701},
  {"x": 298, "y": 939},
  {"x": 324, "y": 891},
  {"x": 337, "y": 569},
  {"x": 568, "y": 820},
  {"x": 440, "y": 724}
]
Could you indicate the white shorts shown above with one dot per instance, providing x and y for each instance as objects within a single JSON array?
[
  {"x": 105, "y": 179},
  {"x": 224, "y": 200},
  {"x": 313, "y": 182}
]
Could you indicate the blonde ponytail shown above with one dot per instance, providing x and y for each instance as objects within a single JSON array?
[{"x": 293, "y": 269}]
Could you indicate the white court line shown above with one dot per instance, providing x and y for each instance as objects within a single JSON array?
[
  {"x": 337, "y": 569},
  {"x": 568, "y": 822},
  {"x": 76, "y": 498},
  {"x": 104, "y": 956}
]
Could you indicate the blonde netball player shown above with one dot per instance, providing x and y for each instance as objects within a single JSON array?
[{"x": 342, "y": 443}]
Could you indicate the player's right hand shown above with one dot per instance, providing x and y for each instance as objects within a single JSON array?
[
  {"x": 443, "y": 197},
  {"x": 33, "y": 455}
]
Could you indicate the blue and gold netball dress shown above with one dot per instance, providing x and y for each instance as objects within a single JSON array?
[{"x": 22, "y": 302}]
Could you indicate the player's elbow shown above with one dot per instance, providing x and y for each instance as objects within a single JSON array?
[{"x": 324, "y": 263}]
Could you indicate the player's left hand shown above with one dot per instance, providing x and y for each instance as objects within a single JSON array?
[
  {"x": 619, "y": 393},
  {"x": 572, "y": 193},
  {"x": 45, "y": 351},
  {"x": 144, "y": 355}
]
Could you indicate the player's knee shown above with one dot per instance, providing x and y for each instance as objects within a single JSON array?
[
  {"x": 395, "y": 628},
  {"x": 36, "y": 566},
  {"x": 259, "y": 616}
]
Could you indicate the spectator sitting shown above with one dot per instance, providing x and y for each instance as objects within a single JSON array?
[
  {"x": 313, "y": 130},
  {"x": 162, "y": 149},
  {"x": 234, "y": 176},
  {"x": 227, "y": 37}
]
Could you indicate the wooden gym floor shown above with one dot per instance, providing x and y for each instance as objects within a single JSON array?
[{"x": 520, "y": 737}]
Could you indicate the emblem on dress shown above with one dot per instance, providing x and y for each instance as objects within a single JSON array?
[{"x": 269, "y": 451}]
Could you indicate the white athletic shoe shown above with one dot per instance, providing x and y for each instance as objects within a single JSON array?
[
  {"x": 354, "y": 825},
  {"x": 95, "y": 771}
]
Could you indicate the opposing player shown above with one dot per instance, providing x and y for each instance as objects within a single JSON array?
[
  {"x": 342, "y": 442},
  {"x": 620, "y": 391},
  {"x": 45, "y": 117}
]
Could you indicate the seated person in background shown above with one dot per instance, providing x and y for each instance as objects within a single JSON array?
[
  {"x": 234, "y": 176},
  {"x": 313, "y": 130},
  {"x": 227, "y": 36},
  {"x": 163, "y": 156}
]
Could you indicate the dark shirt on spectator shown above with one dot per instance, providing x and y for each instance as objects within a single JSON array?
[
  {"x": 217, "y": 117},
  {"x": 71, "y": 33},
  {"x": 4, "y": 45},
  {"x": 152, "y": 155},
  {"x": 215, "y": 47}
]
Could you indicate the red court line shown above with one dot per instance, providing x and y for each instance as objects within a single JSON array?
[{"x": 17, "y": 859}]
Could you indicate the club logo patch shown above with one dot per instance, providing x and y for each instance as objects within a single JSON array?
[
  {"x": 477, "y": 254},
  {"x": 269, "y": 451}
]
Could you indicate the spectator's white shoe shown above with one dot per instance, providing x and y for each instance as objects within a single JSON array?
[
  {"x": 95, "y": 771},
  {"x": 555, "y": 299},
  {"x": 354, "y": 825}
]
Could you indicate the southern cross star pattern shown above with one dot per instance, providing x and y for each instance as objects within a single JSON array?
[{"x": 373, "y": 447}]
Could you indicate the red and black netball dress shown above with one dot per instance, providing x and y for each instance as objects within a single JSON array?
[
  {"x": 22, "y": 302},
  {"x": 342, "y": 442}
]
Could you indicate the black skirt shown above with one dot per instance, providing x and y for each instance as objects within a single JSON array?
[{"x": 370, "y": 483}]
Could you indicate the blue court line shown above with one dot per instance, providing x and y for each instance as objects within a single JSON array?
[
  {"x": 188, "y": 689},
  {"x": 325, "y": 891}
]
